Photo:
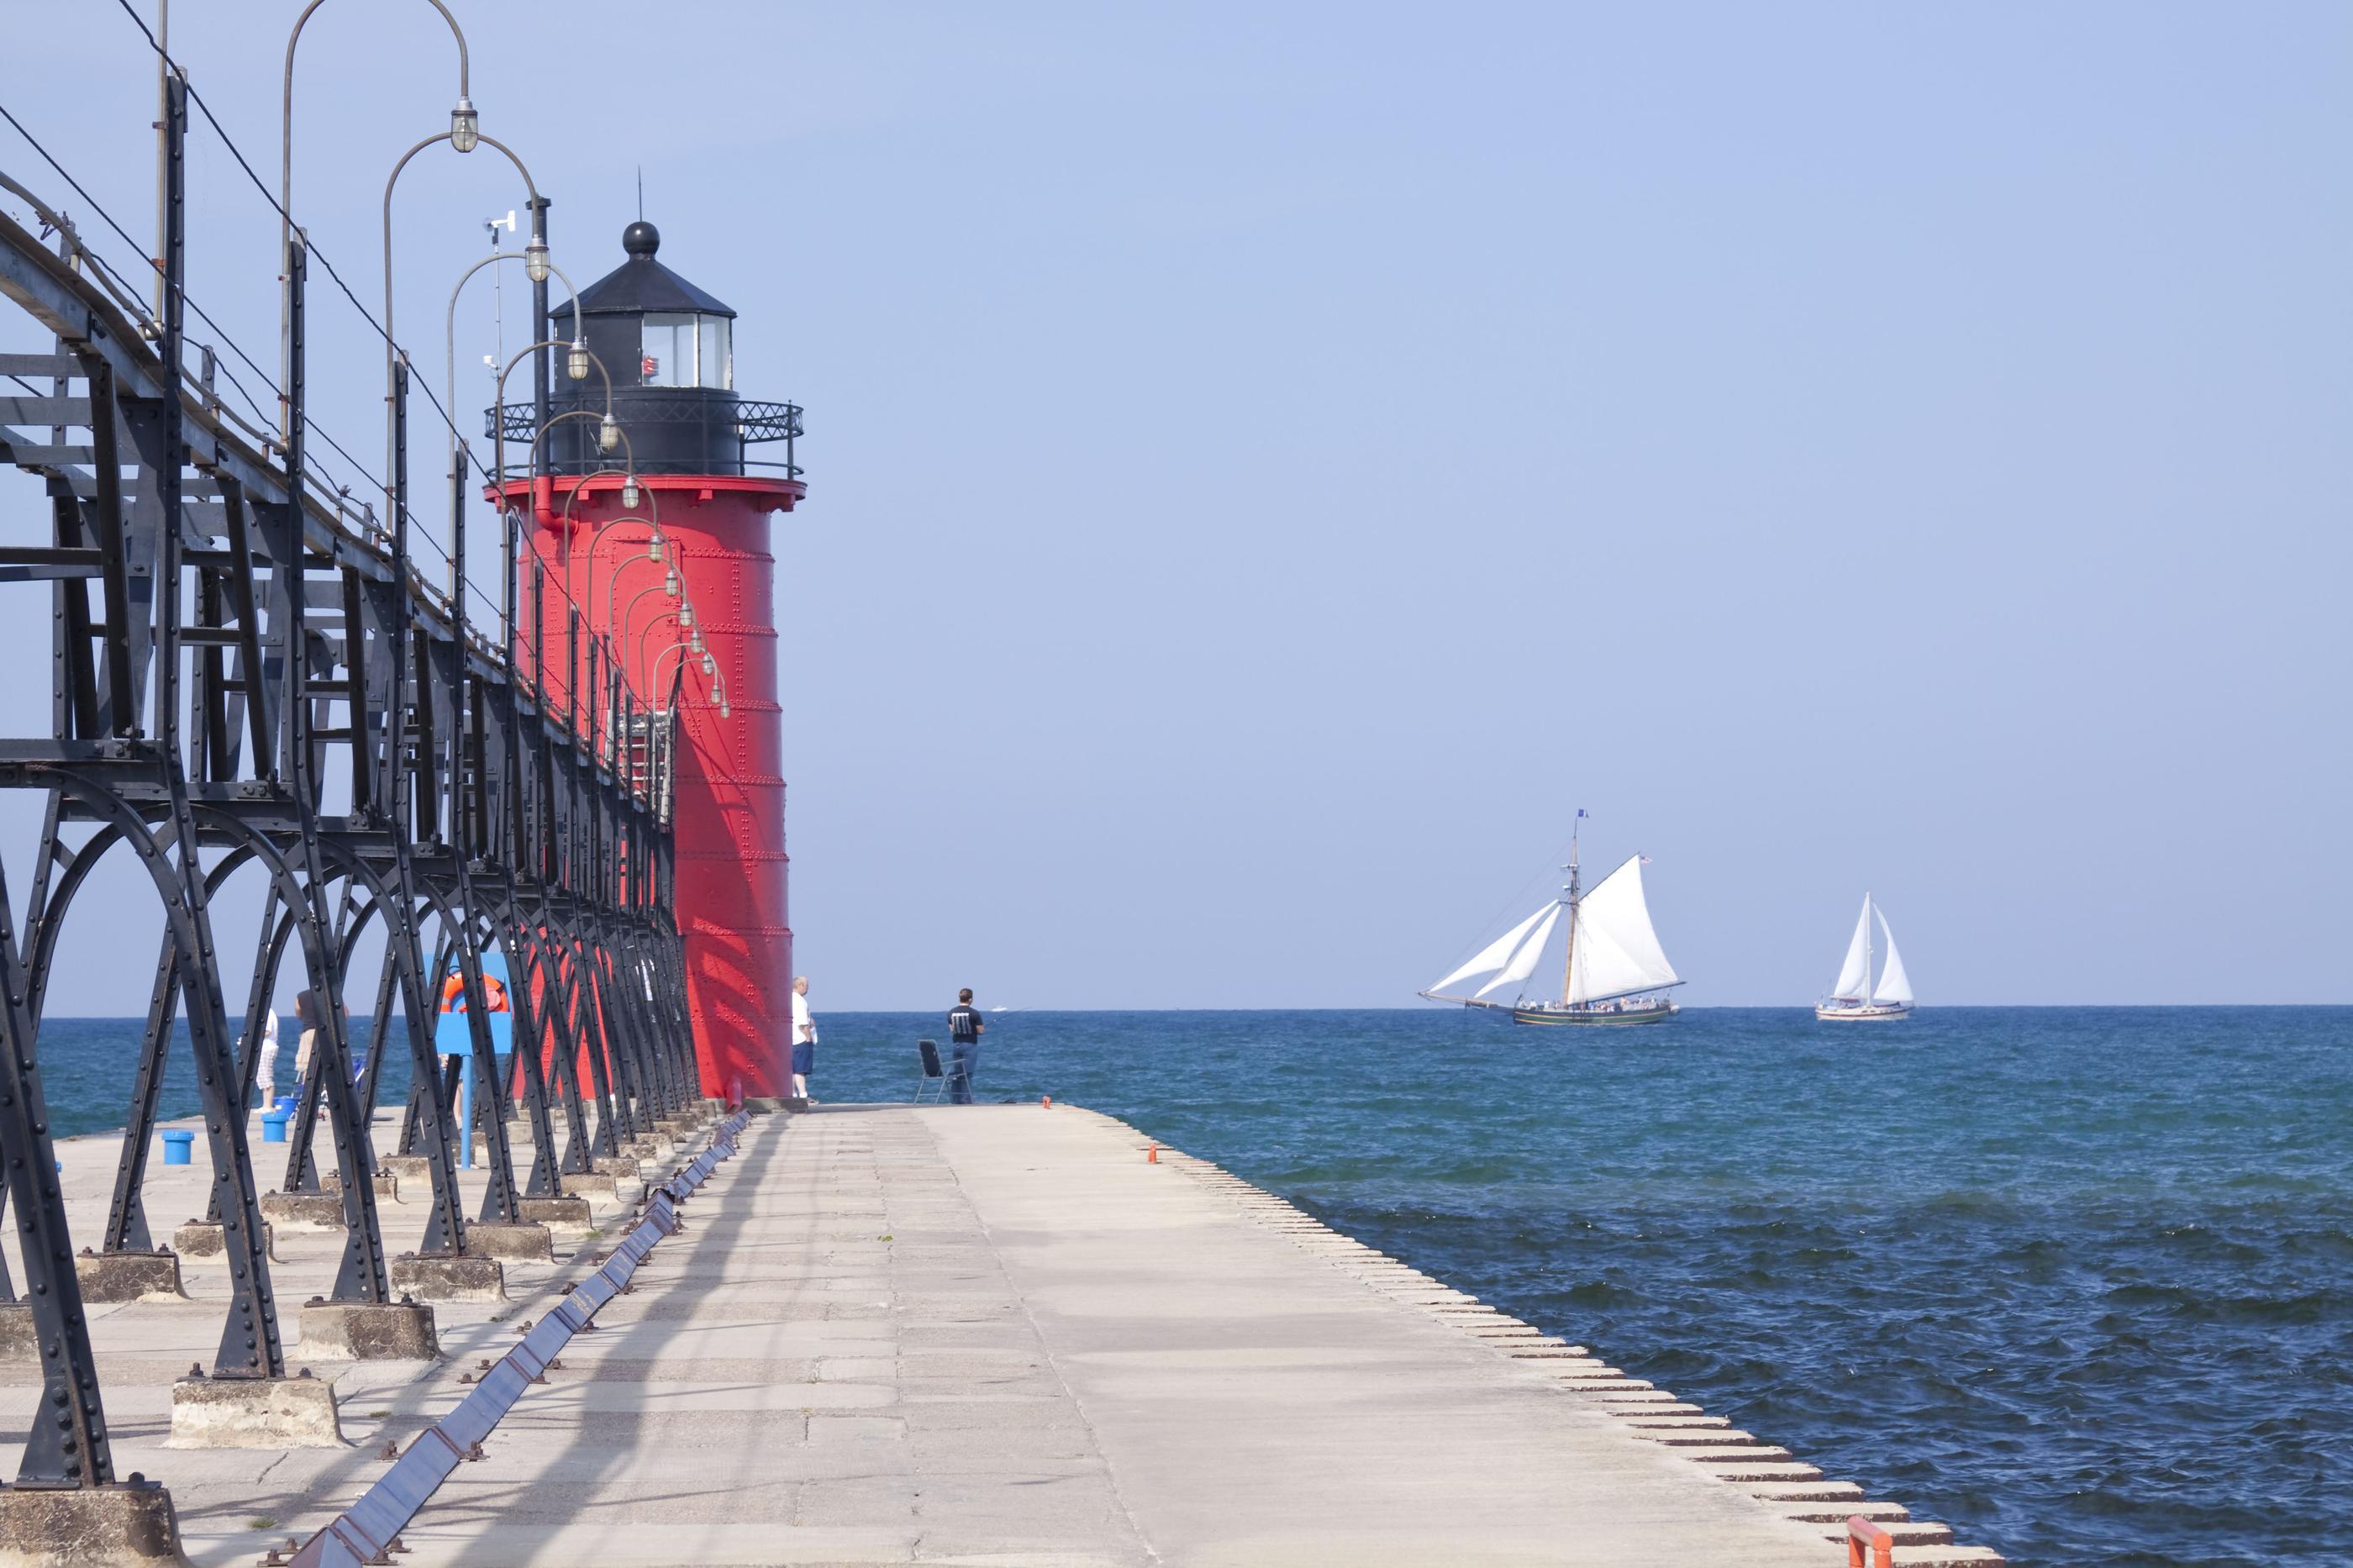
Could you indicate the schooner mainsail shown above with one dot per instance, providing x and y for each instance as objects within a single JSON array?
[
  {"x": 1611, "y": 973},
  {"x": 1854, "y": 997}
]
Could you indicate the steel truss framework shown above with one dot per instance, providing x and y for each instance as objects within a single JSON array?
[{"x": 224, "y": 640}]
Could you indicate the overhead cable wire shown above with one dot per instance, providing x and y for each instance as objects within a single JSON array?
[{"x": 222, "y": 333}]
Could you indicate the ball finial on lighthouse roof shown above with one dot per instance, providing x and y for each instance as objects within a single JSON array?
[{"x": 641, "y": 239}]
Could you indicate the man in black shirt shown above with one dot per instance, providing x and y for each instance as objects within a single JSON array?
[{"x": 964, "y": 1029}]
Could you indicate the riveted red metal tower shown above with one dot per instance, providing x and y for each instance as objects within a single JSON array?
[{"x": 679, "y": 468}]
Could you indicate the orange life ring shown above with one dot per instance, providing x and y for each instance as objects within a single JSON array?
[{"x": 453, "y": 993}]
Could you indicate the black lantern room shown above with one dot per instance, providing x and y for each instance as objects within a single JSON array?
[{"x": 669, "y": 349}]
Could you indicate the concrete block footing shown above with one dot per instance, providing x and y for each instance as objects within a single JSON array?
[
  {"x": 110, "y": 1277},
  {"x": 448, "y": 1276},
  {"x": 765, "y": 1104},
  {"x": 570, "y": 1213},
  {"x": 120, "y": 1526},
  {"x": 713, "y": 1107},
  {"x": 388, "y": 1184},
  {"x": 206, "y": 1239},
  {"x": 18, "y": 1341},
  {"x": 649, "y": 1148},
  {"x": 414, "y": 1168},
  {"x": 527, "y": 1240},
  {"x": 370, "y": 1331},
  {"x": 254, "y": 1412},
  {"x": 303, "y": 1211},
  {"x": 597, "y": 1185},
  {"x": 621, "y": 1167}
]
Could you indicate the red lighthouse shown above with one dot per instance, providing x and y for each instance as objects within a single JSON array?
[{"x": 654, "y": 542}]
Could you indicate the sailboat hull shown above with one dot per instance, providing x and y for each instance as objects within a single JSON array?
[
  {"x": 1555, "y": 1017},
  {"x": 1869, "y": 1012}
]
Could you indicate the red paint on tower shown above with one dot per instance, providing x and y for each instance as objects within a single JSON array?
[{"x": 729, "y": 808}]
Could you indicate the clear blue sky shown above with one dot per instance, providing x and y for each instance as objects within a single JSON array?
[{"x": 1269, "y": 464}]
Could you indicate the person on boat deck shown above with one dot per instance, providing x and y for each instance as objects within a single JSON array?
[
  {"x": 804, "y": 1039},
  {"x": 964, "y": 1029}
]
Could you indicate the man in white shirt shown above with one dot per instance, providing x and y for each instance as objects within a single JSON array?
[
  {"x": 268, "y": 1074},
  {"x": 804, "y": 1039}
]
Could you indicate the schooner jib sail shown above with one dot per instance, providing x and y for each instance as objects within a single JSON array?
[
  {"x": 1855, "y": 996},
  {"x": 1611, "y": 970}
]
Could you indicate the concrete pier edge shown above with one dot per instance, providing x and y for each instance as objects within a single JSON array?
[{"x": 1769, "y": 1474}]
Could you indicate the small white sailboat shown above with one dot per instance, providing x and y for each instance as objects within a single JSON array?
[
  {"x": 1613, "y": 972},
  {"x": 1856, "y": 998}
]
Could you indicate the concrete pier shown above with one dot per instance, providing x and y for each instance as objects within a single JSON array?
[{"x": 1001, "y": 1335}]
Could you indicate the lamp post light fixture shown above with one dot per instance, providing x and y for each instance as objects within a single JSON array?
[
  {"x": 466, "y": 127},
  {"x": 536, "y": 264},
  {"x": 575, "y": 362}
]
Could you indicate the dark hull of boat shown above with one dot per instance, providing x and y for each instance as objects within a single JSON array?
[{"x": 1552, "y": 1017}]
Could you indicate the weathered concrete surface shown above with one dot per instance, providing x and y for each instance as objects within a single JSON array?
[
  {"x": 18, "y": 1342},
  {"x": 201, "y": 1238},
  {"x": 110, "y": 1277},
  {"x": 109, "y": 1527},
  {"x": 303, "y": 1211},
  {"x": 370, "y": 1331},
  {"x": 271, "y": 1413},
  {"x": 558, "y": 1213},
  {"x": 447, "y": 1276},
  {"x": 525, "y": 1239}
]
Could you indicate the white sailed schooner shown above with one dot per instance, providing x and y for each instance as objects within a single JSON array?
[
  {"x": 1855, "y": 998},
  {"x": 1611, "y": 973}
]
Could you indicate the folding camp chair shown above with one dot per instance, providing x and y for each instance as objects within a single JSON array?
[{"x": 933, "y": 1072}]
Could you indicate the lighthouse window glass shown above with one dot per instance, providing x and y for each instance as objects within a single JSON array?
[
  {"x": 684, "y": 348},
  {"x": 712, "y": 366},
  {"x": 667, "y": 357}
]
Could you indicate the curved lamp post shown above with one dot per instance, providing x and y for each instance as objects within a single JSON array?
[
  {"x": 535, "y": 263},
  {"x": 465, "y": 133}
]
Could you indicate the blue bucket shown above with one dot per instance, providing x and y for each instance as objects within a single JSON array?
[
  {"x": 284, "y": 1104},
  {"x": 273, "y": 1127},
  {"x": 176, "y": 1145}
]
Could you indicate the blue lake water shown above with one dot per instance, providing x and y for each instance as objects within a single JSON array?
[{"x": 2078, "y": 1281}]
